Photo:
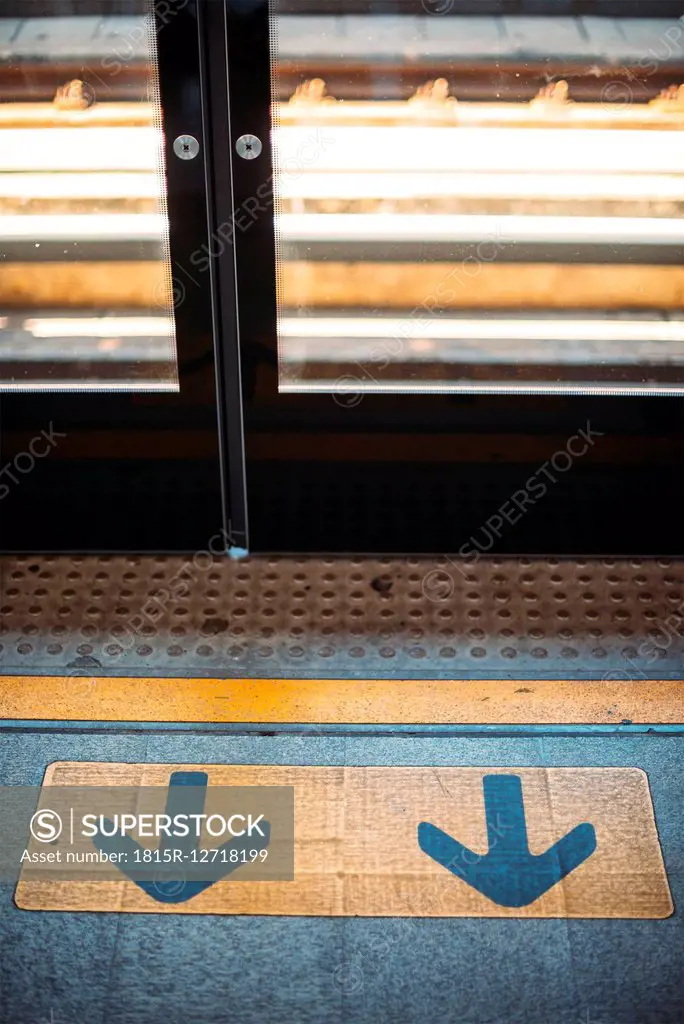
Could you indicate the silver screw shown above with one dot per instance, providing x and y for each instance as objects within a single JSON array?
[
  {"x": 249, "y": 147},
  {"x": 186, "y": 147}
]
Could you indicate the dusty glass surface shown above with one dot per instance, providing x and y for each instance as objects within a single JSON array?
[
  {"x": 477, "y": 202},
  {"x": 85, "y": 283}
]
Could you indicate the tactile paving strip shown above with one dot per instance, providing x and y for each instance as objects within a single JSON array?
[{"x": 361, "y": 618}]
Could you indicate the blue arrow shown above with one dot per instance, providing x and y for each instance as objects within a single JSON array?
[
  {"x": 508, "y": 874},
  {"x": 187, "y": 795}
]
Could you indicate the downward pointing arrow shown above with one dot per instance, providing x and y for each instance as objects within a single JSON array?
[
  {"x": 187, "y": 795},
  {"x": 508, "y": 874}
]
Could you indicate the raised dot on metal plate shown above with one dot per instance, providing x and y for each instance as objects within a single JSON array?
[
  {"x": 249, "y": 147},
  {"x": 186, "y": 147}
]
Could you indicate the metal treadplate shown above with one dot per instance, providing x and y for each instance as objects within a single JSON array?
[{"x": 353, "y": 618}]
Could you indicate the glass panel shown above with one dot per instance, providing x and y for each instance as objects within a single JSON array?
[
  {"x": 85, "y": 282},
  {"x": 475, "y": 202}
]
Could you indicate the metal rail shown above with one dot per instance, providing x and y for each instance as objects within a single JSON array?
[{"x": 37, "y": 55}]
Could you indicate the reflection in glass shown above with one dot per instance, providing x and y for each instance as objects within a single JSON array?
[
  {"x": 474, "y": 203},
  {"x": 85, "y": 281}
]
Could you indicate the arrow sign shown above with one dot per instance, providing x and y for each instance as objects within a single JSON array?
[
  {"x": 508, "y": 874},
  {"x": 173, "y": 882}
]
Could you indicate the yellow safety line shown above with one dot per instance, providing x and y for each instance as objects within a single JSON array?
[{"x": 342, "y": 701}]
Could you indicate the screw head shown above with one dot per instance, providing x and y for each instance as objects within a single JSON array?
[
  {"x": 249, "y": 147},
  {"x": 186, "y": 147}
]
